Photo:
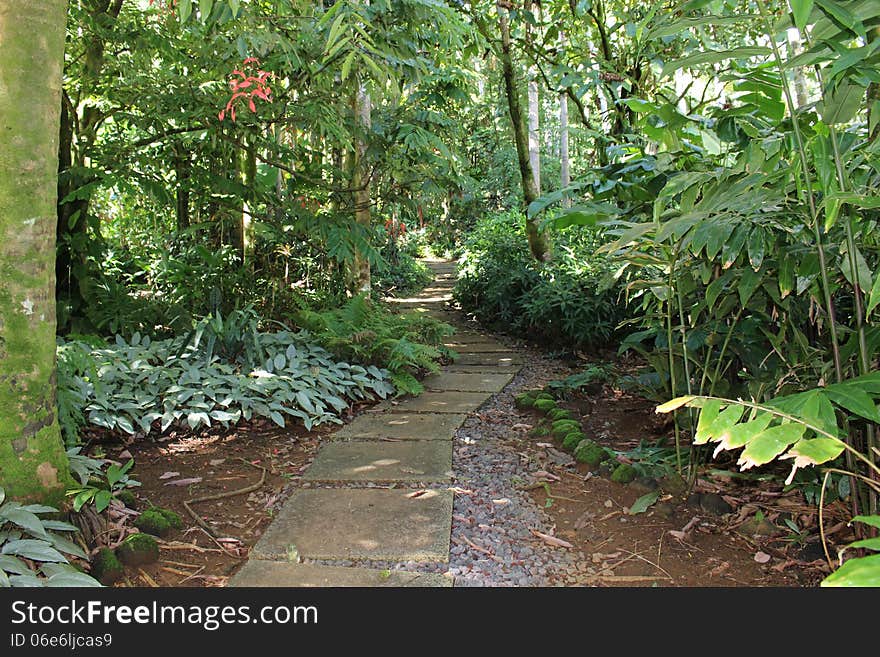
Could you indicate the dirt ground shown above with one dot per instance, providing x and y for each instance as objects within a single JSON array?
[
  {"x": 737, "y": 538},
  {"x": 676, "y": 542}
]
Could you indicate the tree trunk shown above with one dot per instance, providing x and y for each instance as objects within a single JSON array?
[
  {"x": 360, "y": 269},
  {"x": 33, "y": 465},
  {"x": 539, "y": 243},
  {"x": 800, "y": 80},
  {"x": 565, "y": 174}
]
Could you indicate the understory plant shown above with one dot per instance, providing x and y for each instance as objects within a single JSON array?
[
  {"x": 571, "y": 301},
  {"x": 221, "y": 372},
  {"x": 34, "y": 550},
  {"x": 405, "y": 344}
]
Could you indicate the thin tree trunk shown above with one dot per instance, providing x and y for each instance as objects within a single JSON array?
[
  {"x": 360, "y": 183},
  {"x": 800, "y": 80},
  {"x": 564, "y": 164},
  {"x": 33, "y": 465},
  {"x": 539, "y": 243},
  {"x": 182, "y": 169}
]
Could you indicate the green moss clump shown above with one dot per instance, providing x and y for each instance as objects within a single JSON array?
[
  {"x": 591, "y": 454},
  {"x": 152, "y": 521},
  {"x": 172, "y": 517},
  {"x": 580, "y": 449},
  {"x": 127, "y": 498},
  {"x": 572, "y": 440},
  {"x": 623, "y": 473},
  {"x": 524, "y": 400},
  {"x": 540, "y": 431},
  {"x": 562, "y": 428},
  {"x": 545, "y": 404},
  {"x": 559, "y": 414},
  {"x": 106, "y": 567},
  {"x": 545, "y": 395},
  {"x": 138, "y": 549}
]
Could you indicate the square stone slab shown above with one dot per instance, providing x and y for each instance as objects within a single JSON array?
[
  {"x": 437, "y": 402},
  {"x": 412, "y": 460},
  {"x": 403, "y": 426},
  {"x": 360, "y": 523},
  {"x": 478, "y": 347},
  {"x": 498, "y": 360},
  {"x": 265, "y": 574},
  {"x": 475, "y": 382}
]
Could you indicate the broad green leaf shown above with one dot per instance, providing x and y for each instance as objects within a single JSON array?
[
  {"x": 11, "y": 564},
  {"x": 205, "y": 7},
  {"x": 815, "y": 451},
  {"x": 863, "y": 571},
  {"x": 674, "y": 404},
  {"x": 125, "y": 424},
  {"x": 842, "y": 15},
  {"x": 769, "y": 444},
  {"x": 873, "y": 521},
  {"x": 72, "y": 579},
  {"x": 277, "y": 418},
  {"x": 102, "y": 500},
  {"x": 841, "y": 102},
  {"x": 24, "y": 519},
  {"x": 184, "y": 10},
  {"x": 36, "y": 550},
  {"x": 786, "y": 275},
  {"x": 854, "y": 399},
  {"x": 715, "y": 56},
  {"x": 67, "y": 546},
  {"x": 862, "y": 274},
  {"x": 756, "y": 248},
  {"x": 748, "y": 283},
  {"x": 644, "y": 502},
  {"x": 708, "y": 415},
  {"x": 801, "y": 10},
  {"x": 866, "y": 543}
]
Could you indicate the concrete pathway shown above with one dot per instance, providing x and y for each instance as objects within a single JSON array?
[{"x": 380, "y": 489}]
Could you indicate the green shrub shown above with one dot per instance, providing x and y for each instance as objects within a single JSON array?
[{"x": 572, "y": 301}]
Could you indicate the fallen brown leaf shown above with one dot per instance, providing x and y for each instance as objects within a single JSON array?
[{"x": 551, "y": 540}]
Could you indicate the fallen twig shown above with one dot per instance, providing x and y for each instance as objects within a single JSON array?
[
  {"x": 628, "y": 578},
  {"x": 219, "y": 496}
]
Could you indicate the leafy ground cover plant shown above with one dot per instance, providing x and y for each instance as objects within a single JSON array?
[
  {"x": 221, "y": 372},
  {"x": 34, "y": 550}
]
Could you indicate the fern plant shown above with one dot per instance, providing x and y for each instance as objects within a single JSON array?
[{"x": 406, "y": 344}]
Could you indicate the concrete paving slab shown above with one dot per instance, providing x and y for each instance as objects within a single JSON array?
[
  {"x": 437, "y": 402},
  {"x": 412, "y": 460},
  {"x": 472, "y": 382},
  {"x": 497, "y": 360},
  {"x": 265, "y": 574},
  {"x": 360, "y": 523},
  {"x": 403, "y": 426},
  {"x": 464, "y": 347}
]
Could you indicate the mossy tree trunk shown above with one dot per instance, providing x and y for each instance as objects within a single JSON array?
[
  {"x": 539, "y": 243},
  {"x": 33, "y": 465}
]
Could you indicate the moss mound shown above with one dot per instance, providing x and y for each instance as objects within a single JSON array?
[
  {"x": 545, "y": 395},
  {"x": 152, "y": 521},
  {"x": 559, "y": 414},
  {"x": 524, "y": 400},
  {"x": 572, "y": 440},
  {"x": 138, "y": 549},
  {"x": 540, "y": 431},
  {"x": 106, "y": 567},
  {"x": 591, "y": 454},
  {"x": 173, "y": 518},
  {"x": 623, "y": 473},
  {"x": 545, "y": 404},
  {"x": 561, "y": 428}
]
